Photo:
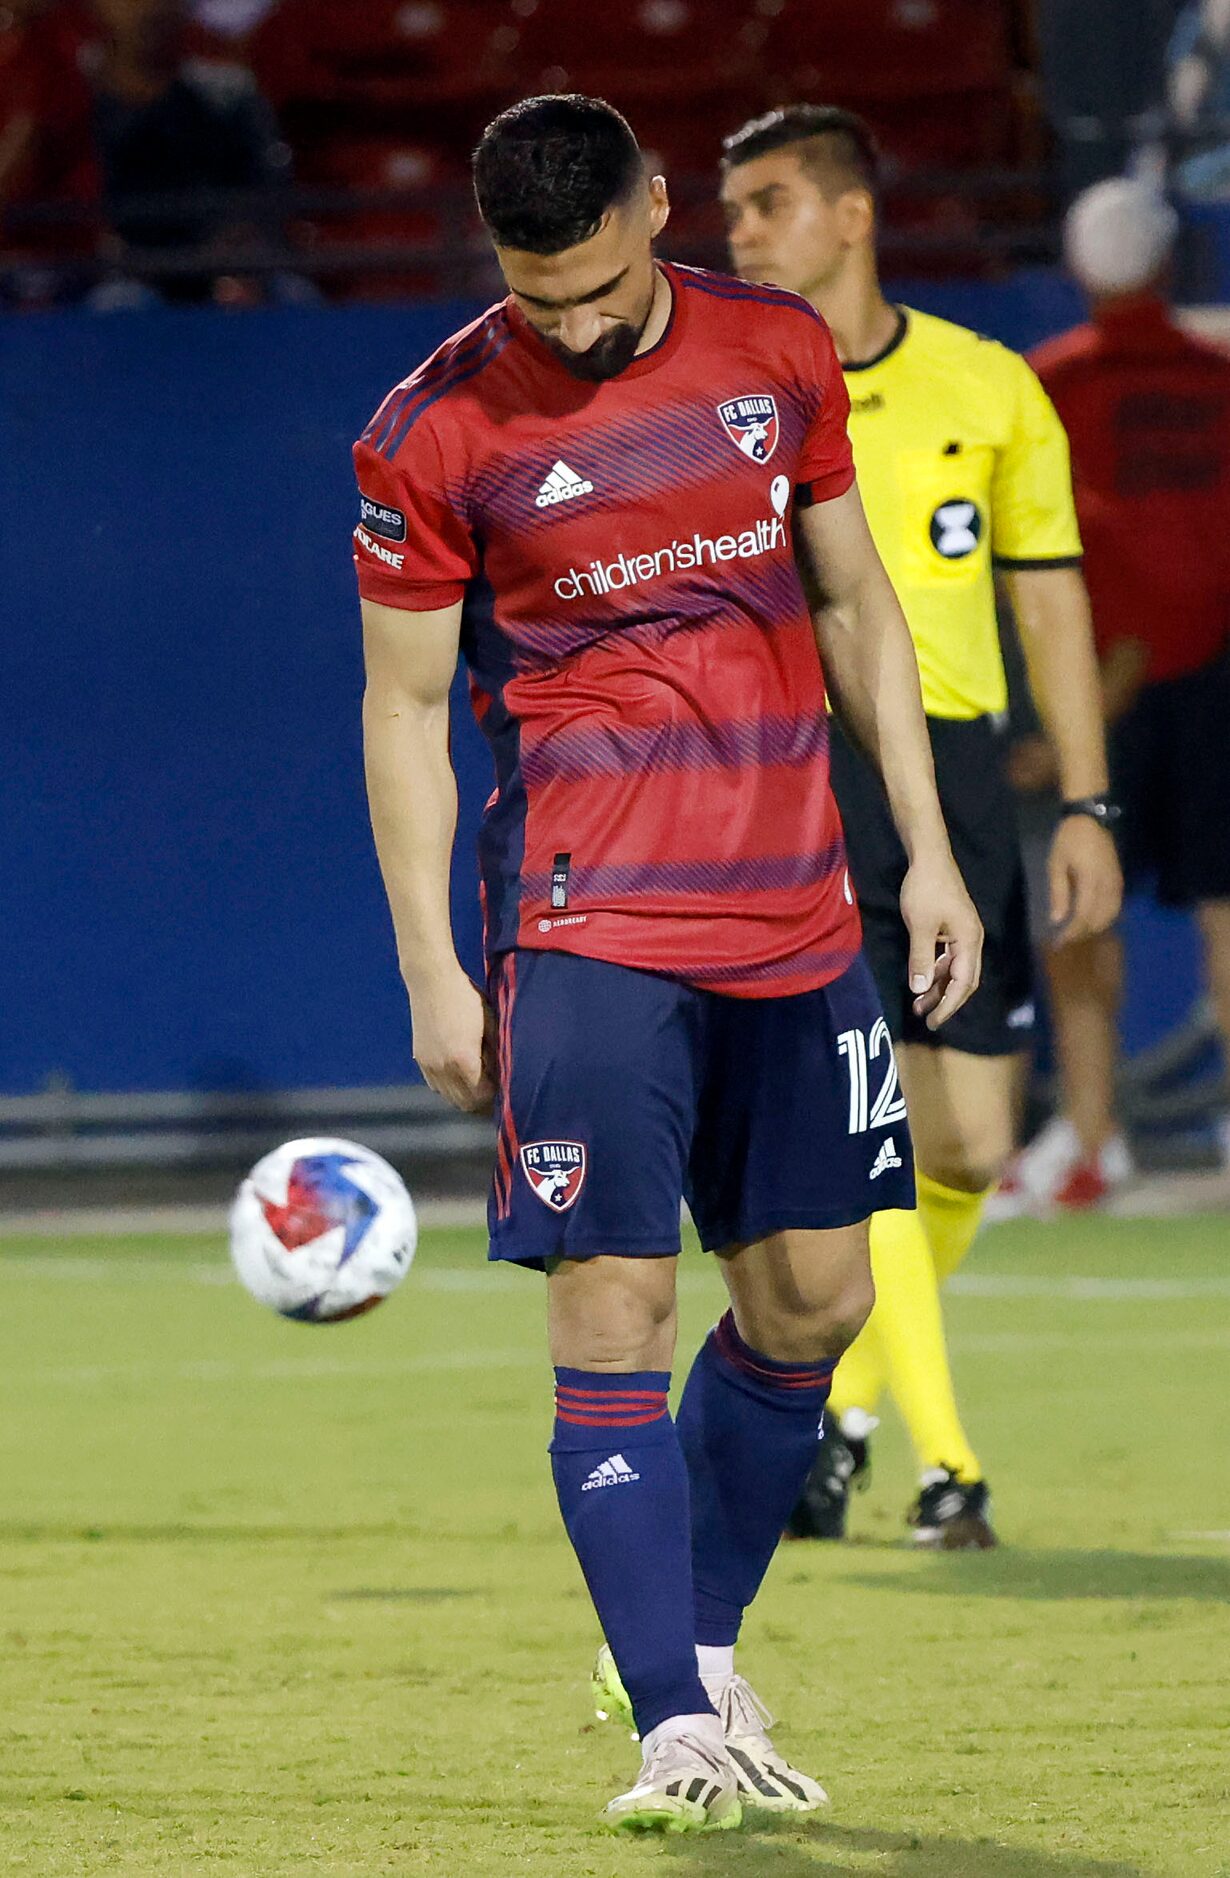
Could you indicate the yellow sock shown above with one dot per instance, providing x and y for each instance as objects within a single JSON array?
[
  {"x": 909, "y": 1328},
  {"x": 950, "y": 1220},
  {"x": 859, "y": 1379}
]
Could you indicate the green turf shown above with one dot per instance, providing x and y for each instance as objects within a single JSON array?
[{"x": 278, "y": 1599}]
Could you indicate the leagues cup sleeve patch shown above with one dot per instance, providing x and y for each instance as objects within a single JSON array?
[
  {"x": 382, "y": 519},
  {"x": 556, "y": 1171},
  {"x": 751, "y": 424}
]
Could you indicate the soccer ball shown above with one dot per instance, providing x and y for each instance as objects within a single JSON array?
[{"x": 322, "y": 1230}]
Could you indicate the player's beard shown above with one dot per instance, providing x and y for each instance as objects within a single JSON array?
[{"x": 607, "y": 357}]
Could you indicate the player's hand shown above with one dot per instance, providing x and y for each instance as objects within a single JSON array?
[
  {"x": 454, "y": 1041},
  {"x": 945, "y": 938},
  {"x": 1085, "y": 880}
]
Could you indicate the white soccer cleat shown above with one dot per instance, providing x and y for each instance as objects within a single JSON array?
[
  {"x": 686, "y": 1784},
  {"x": 766, "y": 1778}
]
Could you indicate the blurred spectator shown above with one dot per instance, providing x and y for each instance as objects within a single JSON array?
[
  {"x": 1198, "y": 98},
  {"x": 45, "y": 146},
  {"x": 1147, "y": 409},
  {"x": 231, "y": 19},
  {"x": 171, "y": 131}
]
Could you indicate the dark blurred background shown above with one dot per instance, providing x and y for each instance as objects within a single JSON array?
[{"x": 225, "y": 229}]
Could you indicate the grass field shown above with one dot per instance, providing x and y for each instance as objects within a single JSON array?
[{"x": 278, "y": 1599}]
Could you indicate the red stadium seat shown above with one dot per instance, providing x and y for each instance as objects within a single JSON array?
[
  {"x": 434, "y": 215},
  {"x": 46, "y": 127},
  {"x": 853, "y": 51},
  {"x": 622, "y": 49},
  {"x": 382, "y": 51},
  {"x": 958, "y": 131}
]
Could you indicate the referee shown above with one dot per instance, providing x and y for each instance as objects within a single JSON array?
[{"x": 963, "y": 467}]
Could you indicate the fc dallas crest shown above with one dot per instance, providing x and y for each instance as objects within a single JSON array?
[
  {"x": 751, "y": 423},
  {"x": 556, "y": 1171}
]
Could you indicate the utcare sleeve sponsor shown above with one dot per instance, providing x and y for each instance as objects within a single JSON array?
[
  {"x": 685, "y": 554},
  {"x": 412, "y": 548}
]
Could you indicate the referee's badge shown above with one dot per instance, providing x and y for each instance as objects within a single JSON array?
[
  {"x": 956, "y": 529},
  {"x": 751, "y": 424}
]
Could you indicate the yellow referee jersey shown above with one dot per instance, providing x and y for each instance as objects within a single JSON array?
[{"x": 963, "y": 466}]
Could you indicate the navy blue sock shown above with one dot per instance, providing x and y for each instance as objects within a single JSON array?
[
  {"x": 749, "y": 1428},
  {"x": 623, "y": 1492}
]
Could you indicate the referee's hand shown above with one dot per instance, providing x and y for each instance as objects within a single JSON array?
[
  {"x": 1086, "y": 882},
  {"x": 945, "y": 938}
]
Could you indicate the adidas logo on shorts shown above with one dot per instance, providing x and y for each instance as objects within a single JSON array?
[
  {"x": 561, "y": 486},
  {"x": 886, "y": 1158},
  {"x": 612, "y": 1473}
]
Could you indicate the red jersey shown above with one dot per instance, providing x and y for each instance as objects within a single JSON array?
[
  {"x": 1147, "y": 411},
  {"x": 643, "y": 663}
]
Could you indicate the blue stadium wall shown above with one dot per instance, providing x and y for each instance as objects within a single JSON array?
[{"x": 189, "y": 893}]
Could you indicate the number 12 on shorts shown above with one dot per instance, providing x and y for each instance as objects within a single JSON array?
[{"x": 862, "y": 1050}]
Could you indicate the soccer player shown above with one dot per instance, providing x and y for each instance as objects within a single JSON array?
[
  {"x": 616, "y": 457},
  {"x": 1147, "y": 407},
  {"x": 963, "y": 467}
]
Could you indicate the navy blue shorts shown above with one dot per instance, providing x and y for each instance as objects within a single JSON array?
[{"x": 622, "y": 1092}]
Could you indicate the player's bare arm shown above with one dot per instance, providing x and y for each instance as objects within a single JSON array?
[
  {"x": 1052, "y": 611},
  {"x": 412, "y": 796},
  {"x": 872, "y": 676}
]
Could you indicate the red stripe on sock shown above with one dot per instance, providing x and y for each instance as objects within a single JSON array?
[
  {"x": 609, "y": 1421},
  {"x": 736, "y": 1352},
  {"x": 610, "y": 1395}
]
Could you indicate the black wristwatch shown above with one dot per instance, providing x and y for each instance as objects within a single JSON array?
[{"x": 1101, "y": 809}]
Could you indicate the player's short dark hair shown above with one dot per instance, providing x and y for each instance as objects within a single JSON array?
[
  {"x": 836, "y": 147},
  {"x": 547, "y": 170}
]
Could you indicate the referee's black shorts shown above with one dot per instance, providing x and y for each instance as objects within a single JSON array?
[
  {"x": 1170, "y": 768},
  {"x": 981, "y": 816}
]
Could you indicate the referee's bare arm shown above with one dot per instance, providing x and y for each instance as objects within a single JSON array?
[
  {"x": 412, "y": 797},
  {"x": 872, "y": 677},
  {"x": 1052, "y": 613}
]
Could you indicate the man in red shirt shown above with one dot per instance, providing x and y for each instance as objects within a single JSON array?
[
  {"x": 1147, "y": 410},
  {"x": 610, "y": 466}
]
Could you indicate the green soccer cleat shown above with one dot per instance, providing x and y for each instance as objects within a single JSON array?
[
  {"x": 610, "y": 1697},
  {"x": 766, "y": 1780},
  {"x": 685, "y": 1785}
]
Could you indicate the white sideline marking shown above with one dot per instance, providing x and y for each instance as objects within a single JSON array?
[
  {"x": 288, "y": 1369},
  {"x": 1008, "y": 1340},
  {"x": 323, "y": 1368},
  {"x": 1084, "y": 1290},
  {"x": 126, "y": 1268},
  {"x": 483, "y": 1275},
  {"x": 111, "y": 1222}
]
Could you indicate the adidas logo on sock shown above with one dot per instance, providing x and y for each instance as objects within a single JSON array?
[
  {"x": 612, "y": 1473},
  {"x": 561, "y": 486},
  {"x": 886, "y": 1158}
]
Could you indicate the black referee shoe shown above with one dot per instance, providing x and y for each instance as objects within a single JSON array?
[
  {"x": 843, "y": 1461},
  {"x": 951, "y": 1514}
]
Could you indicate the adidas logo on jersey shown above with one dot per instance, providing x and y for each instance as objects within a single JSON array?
[
  {"x": 886, "y": 1158},
  {"x": 561, "y": 486},
  {"x": 612, "y": 1473}
]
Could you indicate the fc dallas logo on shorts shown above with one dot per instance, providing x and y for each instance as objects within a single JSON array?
[
  {"x": 556, "y": 1171},
  {"x": 751, "y": 423}
]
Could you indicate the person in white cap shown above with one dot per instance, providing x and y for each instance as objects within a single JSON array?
[{"x": 1147, "y": 411}]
